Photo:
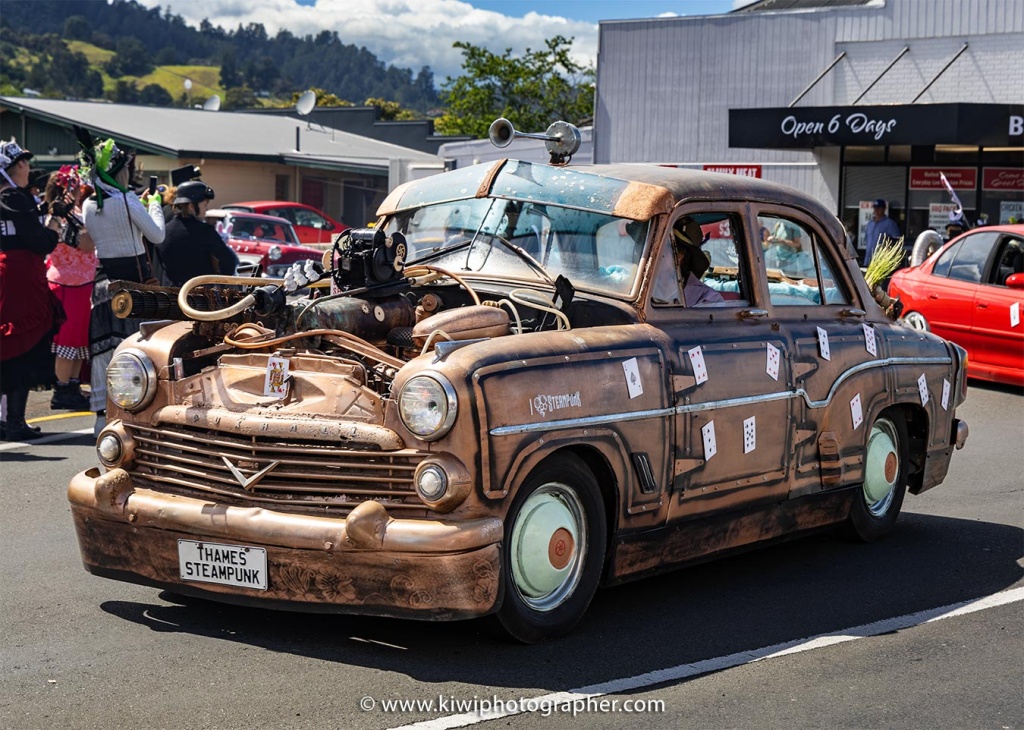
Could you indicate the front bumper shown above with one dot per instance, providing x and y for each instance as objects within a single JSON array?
[{"x": 366, "y": 562}]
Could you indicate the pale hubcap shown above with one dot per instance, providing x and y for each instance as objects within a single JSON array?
[
  {"x": 881, "y": 467},
  {"x": 548, "y": 544}
]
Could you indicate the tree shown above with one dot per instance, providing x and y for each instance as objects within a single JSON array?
[
  {"x": 240, "y": 97},
  {"x": 77, "y": 28},
  {"x": 390, "y": 111},
  {"x": 229, "y": 75},
  {"x": 124, "y": 92},
  {"x": 531, "y": 90},
  {"x": 131, "y": 59},
  {"x": 155, "y": 95}
]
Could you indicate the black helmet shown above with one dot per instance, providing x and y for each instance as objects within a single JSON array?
[{"x": 193, "y": 191}]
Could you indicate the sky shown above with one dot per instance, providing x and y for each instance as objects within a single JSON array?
[{"x": 416, "y": 33}]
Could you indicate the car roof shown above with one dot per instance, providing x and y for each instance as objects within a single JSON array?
[
  {"x": 644, "y": 189},
  {"x": 222, "y": 212},
  {"x": 278, "y": 203}
]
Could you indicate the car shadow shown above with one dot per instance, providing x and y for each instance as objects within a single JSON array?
[
  {"x": 795, "y": 590},
  {"x": 975, "y": 384}
]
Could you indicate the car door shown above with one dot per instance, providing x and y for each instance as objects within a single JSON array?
[
  {"x": 317, "y": 228},
  {"x": 811, "y": 300},
  {"x": 996, "y": 327},
  {"x": 948, "y": 305},
  {"x": 730, "y": 372}
]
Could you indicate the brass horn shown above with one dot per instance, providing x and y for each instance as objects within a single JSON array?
[{"x": 561, "y": 139}]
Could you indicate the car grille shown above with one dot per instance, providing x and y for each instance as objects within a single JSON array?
[{"x": 308, "y": 475}]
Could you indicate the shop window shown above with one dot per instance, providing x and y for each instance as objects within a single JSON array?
[
  {"x": 864, "y": 154},
  {"x": 956, "y": 154},
  {"x": 899, "y": 153},
  {"x": 798, "y": 268},
  {"x": 702, "y": 264}
]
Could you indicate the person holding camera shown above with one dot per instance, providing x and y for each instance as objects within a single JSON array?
[
  {"x": 71, "y": 273},
  {"x": 28, "y": 310},
  {"x": 192, "y": 247},
  {"x": 118, "y": 222}
]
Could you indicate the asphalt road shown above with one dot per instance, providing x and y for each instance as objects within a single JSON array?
[{"x": 84, "y": 652}]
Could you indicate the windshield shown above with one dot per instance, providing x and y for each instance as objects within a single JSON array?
[{"x": 514, "y": 239}]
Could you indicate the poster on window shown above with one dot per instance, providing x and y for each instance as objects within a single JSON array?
[
  {"x": 866, "y": 211},
  {"x": 938, "y": 215},
  {"x": 1011, "y": 211}
]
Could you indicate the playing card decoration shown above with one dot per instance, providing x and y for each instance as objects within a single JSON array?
[
  {"x": 276, "y": 383},
  {"x": 772, "y": 366},
  {"x": 869, "y": 340},
  {"x": 922, "y": 386},
  {"x": 1015, "y": 314},
  {"x": 633, "y": 384},
  {"x": 856, "y": 411},
  {"x": 945, "y": 394},
  {"x": 700, "y": 370},
  {"x": 823, "y": 344},
  {"x": 749, "y": 435},
  {"x": 710, "y": 446}
]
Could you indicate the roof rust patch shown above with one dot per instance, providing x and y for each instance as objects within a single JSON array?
[{"x": 640, "y": 201}]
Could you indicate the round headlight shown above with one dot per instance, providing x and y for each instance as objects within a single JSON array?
[
  {"x": 274, "y": 254},
  {"x": 427, "y": 405},
  {"x": 109, "y": 449},
  {"x": 131, "y": 379},
  {"x": 431, "y": 482}
]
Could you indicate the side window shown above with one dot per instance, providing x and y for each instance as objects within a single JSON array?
[
  {"x": 941, "y": 267},
  {"x": 800, "y": 270},
  {"x": 1009, "y": 261},
  {"x": 701, "y": 265},
  {"x": 285, "y": 213},
  {"x": 305, "y": 217},
  {"x": 969, "y": 262}
]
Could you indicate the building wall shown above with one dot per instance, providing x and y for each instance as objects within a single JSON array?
[{"x": 665, "y": 85}]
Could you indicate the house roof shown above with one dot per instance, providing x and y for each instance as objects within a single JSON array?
[{"x": 221, "y": 135}]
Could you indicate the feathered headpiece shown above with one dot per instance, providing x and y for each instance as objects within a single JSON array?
[{"x": 99, "y": 164}]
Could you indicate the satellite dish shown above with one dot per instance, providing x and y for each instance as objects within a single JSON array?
[
  {"x": 188, "y": 84},
  {"x": 306, "y": 103},
  {"x": 212, "y": 104}
]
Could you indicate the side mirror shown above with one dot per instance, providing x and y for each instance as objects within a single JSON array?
[{"x": 1015, "y": 281}]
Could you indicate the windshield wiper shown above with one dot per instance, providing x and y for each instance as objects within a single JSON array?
[
  {"x": 525, "y": 256},
  {"x": 440, "y": 251}
]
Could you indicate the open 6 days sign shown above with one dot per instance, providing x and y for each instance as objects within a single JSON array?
[{"x": 919, "y": 124}]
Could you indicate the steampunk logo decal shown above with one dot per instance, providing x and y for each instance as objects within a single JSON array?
[{"x": 249, "y": 483}]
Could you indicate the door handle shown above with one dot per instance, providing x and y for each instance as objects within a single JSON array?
[
  {"x": 982, "y": 306},
  {"x": 751, "y": 313},
  {"x": 852, "y": 312},
  {"x": 933, "y": 296}
]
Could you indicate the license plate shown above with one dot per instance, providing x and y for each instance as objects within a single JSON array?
[{"x": 229, "y": 565}]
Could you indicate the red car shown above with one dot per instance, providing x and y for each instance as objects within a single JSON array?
[
  {"x": 971, "y": 291},
  {"x": 311, "y": 225},
  {"x": 267, "y": 236}
]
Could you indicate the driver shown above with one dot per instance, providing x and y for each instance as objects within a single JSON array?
[{"x": 192, "y": 247}]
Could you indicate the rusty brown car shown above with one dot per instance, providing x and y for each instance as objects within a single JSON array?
[{"x": 529, "y": 381}]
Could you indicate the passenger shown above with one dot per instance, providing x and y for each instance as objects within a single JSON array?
[
  {"x": 693, "y": 264},
  {"x": 192, "y": 247}
]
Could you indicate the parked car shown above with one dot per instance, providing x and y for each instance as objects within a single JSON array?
[
  {"x": 269, "y": 237},
  {"x": 509, "y": 404},
  {"x": 311, "y": 225},
  {"x": 971, "y": 291}
]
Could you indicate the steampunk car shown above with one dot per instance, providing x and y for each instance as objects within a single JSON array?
[{"x": 527, "y": 381}]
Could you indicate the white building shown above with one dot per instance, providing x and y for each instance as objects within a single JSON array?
[{"x": 848, "y": 100}]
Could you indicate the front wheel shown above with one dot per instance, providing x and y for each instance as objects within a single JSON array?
[
  {"x": 554, "y": 550},
  {"x": 878, "y": 503},
  {"x": 917, "y": 321}
]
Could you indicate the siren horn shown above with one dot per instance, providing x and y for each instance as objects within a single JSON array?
[{"x": 561, "y": 139}]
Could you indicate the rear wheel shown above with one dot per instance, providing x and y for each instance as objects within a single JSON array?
[
  {"x": 554, "y": 550},
  {"x": 917, "y": 321},
  {"x": 886, "y": 464}
]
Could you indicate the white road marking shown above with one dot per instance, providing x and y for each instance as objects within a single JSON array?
[
  {"x": 684, "y": 671},
  {"x": 48, "y": 439}
]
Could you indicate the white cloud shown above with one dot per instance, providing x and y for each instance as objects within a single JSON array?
[{"x": 411, "y": 33}]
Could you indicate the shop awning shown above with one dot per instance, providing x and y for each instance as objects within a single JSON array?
[{"x": 983, "y": 125}]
